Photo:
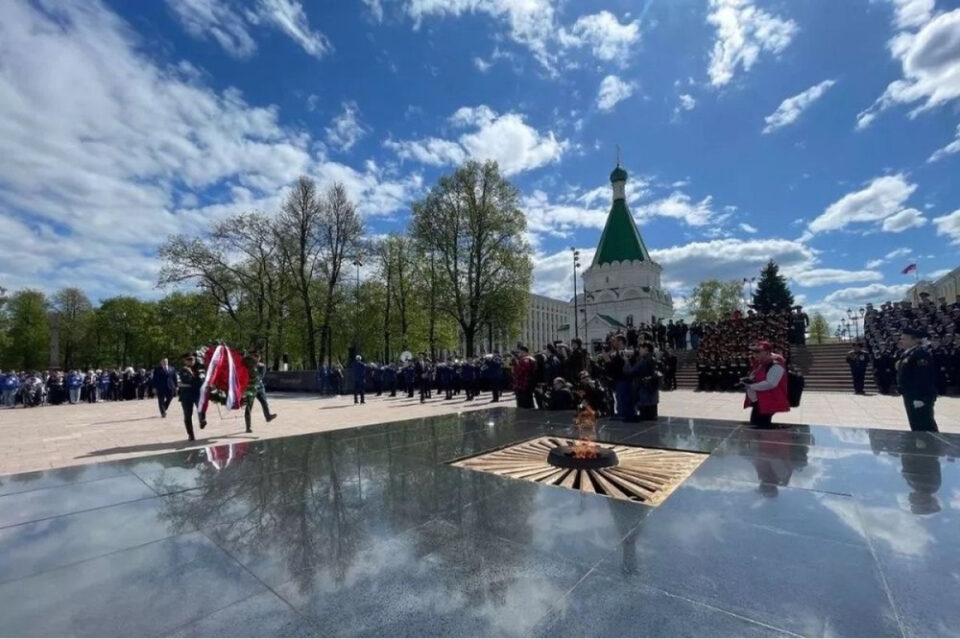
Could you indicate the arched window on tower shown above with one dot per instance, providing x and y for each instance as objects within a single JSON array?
[{"x": 629, "y": 320}]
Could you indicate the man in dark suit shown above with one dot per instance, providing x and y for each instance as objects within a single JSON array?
[
  {"x": 165, "y": 385},
  {"x": 916, "y": 377}
]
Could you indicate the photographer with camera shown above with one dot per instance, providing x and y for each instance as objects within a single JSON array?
[
  {"x": 766, "y": 386},
  {"x": 559, "y": 397}
]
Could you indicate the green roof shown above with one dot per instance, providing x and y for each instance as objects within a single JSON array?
[
  {"x": 612, "y": 320},
  {"x": 618, "y": 175},
  {"x": 563, "y": 327},
  {"x": 621, "y": 239}
]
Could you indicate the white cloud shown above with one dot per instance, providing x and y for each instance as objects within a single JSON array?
[
  {"x": 553, "y": 273},
  {"x": 822, "y": 276},
  {"x": 900, "y": 252},
  {"x": 686, "y": 103},
  {"x": 482, "y": 65},
  {"x": 346, "y": 129},
  {"x": 129, "y": 160},
  {"x": 930, "y": 60},
  {"x": 875, "y": 263},
  {"x": 289, "y": 17},
  {"x": 679, "y": 206},
  {"x": 912, "y": 13},
  {"x": 220, "y": 20},
  {"x": 375, "y": 9},
  {"x": 531, "y": 23},
  {"x": 949, "y": 149},
  {"x": 903, "y": 220},
  {"x": 608, "y": 39},
  {"x": 506, "y": 138},
  {"x": 534, "y": 24},
  {"x": 791, "y": 108},
  {"x": 949, "y": 225},
  {"x": 612, "y": 91},
  {"x": 880, "y": 199},
  {"x": 559, "y": 218},
  {"x": 748, "y": 228},
  {"x": 729, "y": 259},
  {"x": 431, "y": 151},
  {"x": 743, "y": 33},
  {"x": 873, "y": 293}
]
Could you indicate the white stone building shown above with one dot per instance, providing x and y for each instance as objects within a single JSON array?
[
  {"x": 622, "y": 286},
  {"x": 946, "y": 289}
]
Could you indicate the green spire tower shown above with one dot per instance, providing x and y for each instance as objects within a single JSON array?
[{"x": 621, "y": 240}]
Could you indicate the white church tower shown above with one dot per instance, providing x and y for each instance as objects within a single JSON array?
[{"x": 622, "y": 285}]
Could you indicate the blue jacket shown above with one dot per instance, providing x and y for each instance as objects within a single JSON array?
[
  {"x": 11, "y": 382},
  {"x": 74, "y": 381},
  {"x": 104, "y": 380},
  {"x": 494, "y": 370},
  {"x": 358, "y": 370},
  {"x": 389, "y": 375}
]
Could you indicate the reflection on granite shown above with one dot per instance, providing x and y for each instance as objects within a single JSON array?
[{"x": 368, "y": 531}]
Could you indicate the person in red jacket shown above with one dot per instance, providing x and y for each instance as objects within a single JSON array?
[
  {"x": 766, "y": 386},
  {"x": 523, "y": 377}
]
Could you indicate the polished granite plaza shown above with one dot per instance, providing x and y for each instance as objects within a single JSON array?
[{"x": 370, "y": 532}]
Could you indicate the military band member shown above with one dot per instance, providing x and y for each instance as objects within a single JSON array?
[{"x": 916, "y": 378}]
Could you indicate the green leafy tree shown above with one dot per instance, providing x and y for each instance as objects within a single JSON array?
[
  {"x": 819, "y": 328},
  {"x": 471, "y": 225},
  {"x": 712, "y": 300},
  {"x": 71, "y": 314},
  {"x": 28, "y": 331},
  {"x": 772, "y": 293}
]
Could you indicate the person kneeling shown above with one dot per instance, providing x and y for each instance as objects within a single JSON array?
[
  {"x": 560, "y": 397},
  {"x": 766, "y": 386}
]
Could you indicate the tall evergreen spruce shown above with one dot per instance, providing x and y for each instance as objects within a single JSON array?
[{"x": 772, "y": 293}]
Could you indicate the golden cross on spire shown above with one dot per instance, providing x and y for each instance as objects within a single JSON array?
[{"x": 618, "y": 155}]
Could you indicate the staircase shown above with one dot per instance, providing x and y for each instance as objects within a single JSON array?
[{"x": 823, "y": 365}]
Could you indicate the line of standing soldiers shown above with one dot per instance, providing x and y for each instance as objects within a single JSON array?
[{"x": 421, "y": 375}]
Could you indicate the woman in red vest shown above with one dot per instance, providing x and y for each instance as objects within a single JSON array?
[{"x": 766, "y": 386}]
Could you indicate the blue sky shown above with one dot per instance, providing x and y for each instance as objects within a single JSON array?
[{"x": 822, "y": 134}]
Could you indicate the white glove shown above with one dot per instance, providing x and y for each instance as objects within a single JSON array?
[{"x": 917, "y": 403}]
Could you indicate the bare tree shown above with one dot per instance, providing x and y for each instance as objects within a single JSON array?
[
  {"x": 238, "y": 265},
  {"x": 471, "y": 224},
  {"x": 341, "y": 233},
  {"x": 300, "y": 234}
]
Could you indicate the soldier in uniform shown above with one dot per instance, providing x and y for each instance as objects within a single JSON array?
[
  {"x": 358, "y": 371},
  {"x": 916, "y": 378},
  {"x": 409, "y": 378},
  {"x": 858, "y": 359},
  {"x": 389, "y": 376},
  {"x": 669, "y": 361},
  {"x": 189, "y": 385}
]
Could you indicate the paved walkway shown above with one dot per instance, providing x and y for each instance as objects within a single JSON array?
[{"x": 57, "y": 436}]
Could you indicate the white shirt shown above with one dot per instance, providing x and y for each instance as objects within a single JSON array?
[{"x": 774, "y": 375}]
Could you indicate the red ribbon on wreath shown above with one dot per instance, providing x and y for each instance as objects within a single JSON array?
[{"x": 226, "y": 374}]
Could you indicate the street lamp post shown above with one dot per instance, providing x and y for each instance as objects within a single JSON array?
[
  {"x": 576, "y": 317},
  {"x": 358, "y": 262},
  {"x": 855, "y": 317}
]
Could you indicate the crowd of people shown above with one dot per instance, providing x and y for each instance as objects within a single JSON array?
[
  {"x": 938, "y": 323},
  {"x": 622, "y": 376},
  {"x": 723, "y": 349},
  {"x": 53, "y": 386}
]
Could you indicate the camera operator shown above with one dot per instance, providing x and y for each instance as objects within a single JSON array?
[
  {"x": 766, "y": 386},
  {"x": 594, "y": 393},
  {"x": 559, "y": 397}
]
